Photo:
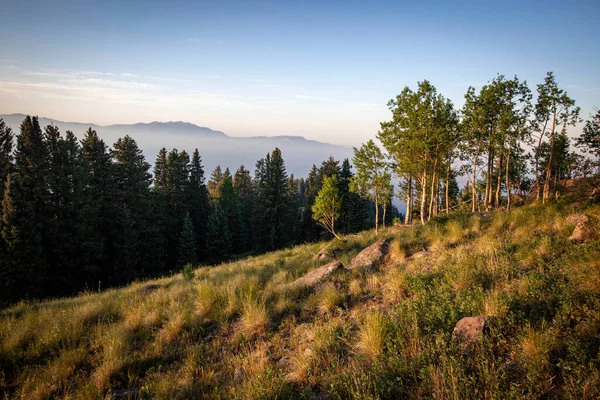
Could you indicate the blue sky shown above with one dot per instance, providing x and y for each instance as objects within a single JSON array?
[{"x": 324, "y": 71}]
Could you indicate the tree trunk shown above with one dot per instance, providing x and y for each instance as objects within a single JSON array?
[
  {"x": 384, "y": 211},
  {"x": 549, "y": 167},
  {"x": 408, "y": 217},
  {"x": 499, "y": 180},
  {"x": 537, "y": 163},
  {"x": 447, "y": 189},
  {"x": 474, "y": 189},
  {"x": 508, "y": 199},
  {"x": 432, "y": 194},
  {"x": 376, "y": 216},
  {"x": 423, "y": 196}
]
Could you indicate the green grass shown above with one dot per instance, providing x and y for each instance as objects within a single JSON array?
[{"x": 238, "y": 330}]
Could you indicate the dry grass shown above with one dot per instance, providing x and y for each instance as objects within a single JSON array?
[{"x": 374, "y": 334}]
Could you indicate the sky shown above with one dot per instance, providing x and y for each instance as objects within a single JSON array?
[{"x": 322, "y": 70}]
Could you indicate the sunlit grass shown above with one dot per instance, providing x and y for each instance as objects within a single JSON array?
[{"x": 240, "y": 330}]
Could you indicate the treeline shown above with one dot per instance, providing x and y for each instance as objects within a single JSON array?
[
  {"x": 503, "y": 143},
  {"x": 77, "y": 215}
]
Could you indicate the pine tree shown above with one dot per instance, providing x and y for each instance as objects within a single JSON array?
[
  {"x": 218, "y": 238},
  {"x": 242, "y": 183},
  {"x": 102, "y": 214},
  {"x": 6, "y": 157},
  {"x": 215, "y": 181},
  {"x": 132, "y": 181},
  {"x": 187, "y": 243},
  {"x": 272, "y": 226},
  {"x": 160, "y": 169},
  {"x": 198, "y": 201},
  {"x": 24, "y": 215},
  {"x": 230, "y": 204}
]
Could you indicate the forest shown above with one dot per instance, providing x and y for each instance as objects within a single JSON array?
[{"x": 80, "y": 216}]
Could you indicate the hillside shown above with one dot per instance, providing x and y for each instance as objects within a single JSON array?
[
  {"x": 216, "y": 147},
  {"x": 241, "y": 330}
]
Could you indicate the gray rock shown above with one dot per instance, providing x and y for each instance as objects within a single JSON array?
[
  {"x": 469, "y": 329},
  {"x": 318, "y": 275},
  {"x": 584, "y": 229},
  {"x": 371, "y": 257},
  {"x": 420, "y": 254}
]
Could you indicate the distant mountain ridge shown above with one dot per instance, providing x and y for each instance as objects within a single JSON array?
[{"x": 216, "y": 147}]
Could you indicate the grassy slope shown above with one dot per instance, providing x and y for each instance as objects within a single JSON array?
[{"x": 235, "y": 332}]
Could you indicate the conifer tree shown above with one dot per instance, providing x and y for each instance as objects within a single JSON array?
[
  {"x": 198, "y": 201},
  {"x": 215, "y": 181},
  {"x": 218, "y": 238},
  {"x": 6, "y": 157},
  {"x": 187, "y": 243},
  {"x": 24, "y": 215},
  {"x": 160, "y": 169}
]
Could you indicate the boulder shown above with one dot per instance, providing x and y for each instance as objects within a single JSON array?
[
  {"x": 371, "y": 257},
  {"x": 420, "y": 254},
  {"x": 328, "y": 252},
  {"x": 469, "y": 329},
  {"x": 318, "y": 275},
  {"x": 584, "y": 229}
]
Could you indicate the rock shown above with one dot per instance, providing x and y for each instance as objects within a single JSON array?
[
  {"x": 318, "y": 275},
  {"x": 150, "y": 288},
  {"x": 420, "y": 254},
  {"x": 469, "y": 329},
  {"x": 573, "y": 219},
  {"x": 584, "y": 229},
  {"x": 328, "y": 252},
  {"x": 114, "y": 394},
  {"x": 370, "y": 257}
]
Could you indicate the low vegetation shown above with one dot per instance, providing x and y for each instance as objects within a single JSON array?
[{"x": 239, "y": 330}]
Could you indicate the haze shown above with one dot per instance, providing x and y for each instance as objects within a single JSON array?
[{"x": 273, "y": 68}]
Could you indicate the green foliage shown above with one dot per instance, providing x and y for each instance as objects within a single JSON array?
[
  {"x": 188, "y": 272},
  {"x": 589, "y": 141},
  {"x": 328, "y": 204},
  {"x": 372, "y": 177}
]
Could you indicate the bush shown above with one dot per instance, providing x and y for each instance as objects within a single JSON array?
[{"x": 188, "y": 272}]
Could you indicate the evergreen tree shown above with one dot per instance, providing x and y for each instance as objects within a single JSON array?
[
  {"x": 104, "y": 211},
  {"x": 187, "y": 243},
  {"x": 160, "y": 169},
  {"x": 272, "y": 225},
  {"x": 242, "y": 183},
  {"x": 215, "y": 181},
  {"x": 218, "y": 238},
  {"x": 230, "y": 204},
  {"x": 198, "y": 201},
  {"x": 24, "y": 215},
  {"x": 6, "y": 157}
]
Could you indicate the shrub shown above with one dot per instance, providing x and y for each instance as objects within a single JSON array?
[{"x": 188, "y": 272}]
